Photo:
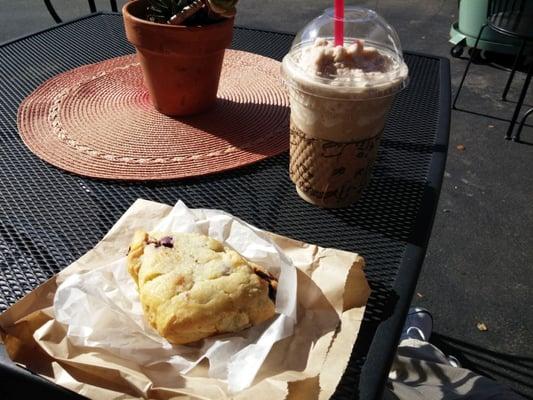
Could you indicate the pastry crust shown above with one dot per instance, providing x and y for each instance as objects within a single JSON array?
[{"x": 192, "y": 287}]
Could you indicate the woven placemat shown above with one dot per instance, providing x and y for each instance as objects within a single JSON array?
[{"x": 97, "y": 121}]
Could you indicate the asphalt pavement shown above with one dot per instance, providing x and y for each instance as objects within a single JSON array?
[{"x": 478, "y": 268}]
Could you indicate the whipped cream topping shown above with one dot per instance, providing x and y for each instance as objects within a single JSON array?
[
  {"x": 355, "y": 64},
  {"x": 325, "y": 59}
]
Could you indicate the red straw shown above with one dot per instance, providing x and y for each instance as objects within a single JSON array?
[{"x": 339, "y": 22}]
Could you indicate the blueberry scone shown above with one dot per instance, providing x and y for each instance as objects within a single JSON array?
[{"x": 192, "y": 287}]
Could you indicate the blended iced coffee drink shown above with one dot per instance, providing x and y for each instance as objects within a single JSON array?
[{"x": 340, "y": 97}]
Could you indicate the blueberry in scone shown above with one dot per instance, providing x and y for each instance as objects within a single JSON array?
[{"x": 192, "y": 286}]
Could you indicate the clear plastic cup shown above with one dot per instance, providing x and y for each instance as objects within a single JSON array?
[{"x": 340, "y": 97}]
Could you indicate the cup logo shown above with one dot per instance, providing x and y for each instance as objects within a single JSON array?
[{"x": 332, "y": 173}]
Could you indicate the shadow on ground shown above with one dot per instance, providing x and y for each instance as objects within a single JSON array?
[{"x": 496, "y": 365}]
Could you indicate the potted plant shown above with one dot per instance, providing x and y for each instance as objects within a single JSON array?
[{"x": 180, "y": 45}]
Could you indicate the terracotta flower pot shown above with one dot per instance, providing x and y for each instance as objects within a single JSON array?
[{"x": 181, "y": 65}]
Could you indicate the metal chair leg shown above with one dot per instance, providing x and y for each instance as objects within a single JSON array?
[
  {"x": 52, "y": 11},
  {"x": 92, "y": 6},
  {"x": 515, "y": 66},
  {"x": 516, "y": 137},
  {"x": 467, "y": 67},
  {"x": 520, "y": 102}
]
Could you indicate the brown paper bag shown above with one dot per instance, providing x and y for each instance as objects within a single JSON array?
[{"x": 331, "y": 290}]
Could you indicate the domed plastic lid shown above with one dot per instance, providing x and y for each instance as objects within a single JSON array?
[{"x": 369, "y": 62}]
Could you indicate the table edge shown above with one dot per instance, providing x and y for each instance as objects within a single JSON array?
[
  {"x": 21, "y": 379},
  {"x": 413, "y": 258}
]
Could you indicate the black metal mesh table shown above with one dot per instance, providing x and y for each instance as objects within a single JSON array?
[{"x": 49, "y": 218}]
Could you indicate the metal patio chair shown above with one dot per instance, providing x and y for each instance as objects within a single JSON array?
[
  {"x": 508, "y": 18},
  {"x": 522, "y": 123},
  {"x": 92, "y": 7}
]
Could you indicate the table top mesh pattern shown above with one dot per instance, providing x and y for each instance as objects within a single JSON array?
[{"x": 49, "y": 218}]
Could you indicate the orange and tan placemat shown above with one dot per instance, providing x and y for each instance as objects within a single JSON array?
[{"x": 97, "y": 121}]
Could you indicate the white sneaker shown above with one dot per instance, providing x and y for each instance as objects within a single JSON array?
[
  {"x": 418, "y": 324},
  {"x": 454, "y": 362}
]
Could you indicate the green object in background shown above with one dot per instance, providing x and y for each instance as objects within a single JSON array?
[{"x": 464, "y": 32}]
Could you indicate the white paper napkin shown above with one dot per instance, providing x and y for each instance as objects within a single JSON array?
[{"x": 101, "y": 308}]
